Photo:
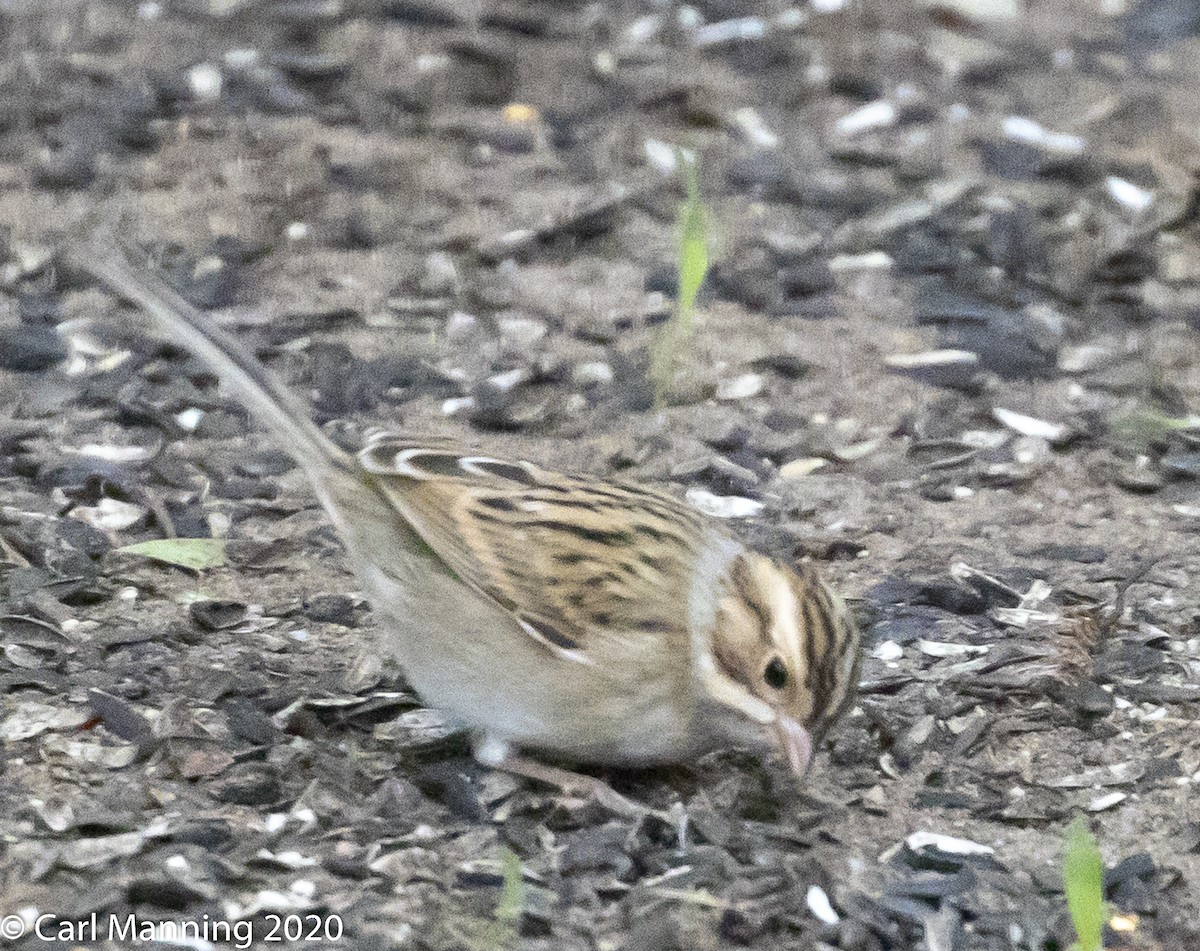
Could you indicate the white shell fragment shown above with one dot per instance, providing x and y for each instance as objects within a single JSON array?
[
  {"x": 740, "y": 388},
  {"x": 592, "y": 373},
  {"x": 1024, "y": 129},
  {"x": 741, "y": 29},
  {"x": 948, "y": 649},
  {"x": 798, "y": 468},
  {"x": 1100, "y": 803},
  {"x": 189, "y": 419},
  {"x": 110, "y": 515},
  {"x": 984, "y": 438},
  {"x": 110, "y": 453},
  {"x": 1113, "y": 774},
  {"x": 205, "y": 82},
  {"x": 643, "y": 30},
  {"x": 289, "y": 859},
  {"x": 1031, "y": 425},
  {"x": 1021, "y": 617},
  {"x": 868, "y": 261},
  {"x": 819, "y": 904},
  {"x": 1127, "y": 194},
  {"x": 888, "y": 651},
  {"x": 1039, "y": 592},
  {"x": 723, "y": 506},
  {"x": 985, "y": 9},
  {"x": 509, "y": 379},
  {"x": 946, "y": 843},
  {"x": 753, "y": 128},
  {"x": 664, "y": 157},
  {"x": 874, "y": 115},
  {"x": 930, "y": 358}
]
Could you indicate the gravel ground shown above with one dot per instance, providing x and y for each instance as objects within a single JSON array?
[{"x": 948, "y": 345}]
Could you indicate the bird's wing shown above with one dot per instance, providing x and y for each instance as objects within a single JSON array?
[{"x": 580, "y": 563}]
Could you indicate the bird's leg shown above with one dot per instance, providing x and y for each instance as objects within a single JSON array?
[{"x": 499, "y": 754}]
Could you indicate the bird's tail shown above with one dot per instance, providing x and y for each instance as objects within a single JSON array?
[
  {"x": 396, "y": 567},
  {"x": 276, "y": 408}
]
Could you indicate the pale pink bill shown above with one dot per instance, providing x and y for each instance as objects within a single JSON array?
[{"x": 795, "y": 743}]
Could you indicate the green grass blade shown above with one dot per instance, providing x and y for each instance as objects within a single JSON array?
[
  {"x": 693, "y": 247},
  {"x": 512, "y": 892},
  {"x": 1083, "y": 880},
  {"x": 672, "y": 348}
]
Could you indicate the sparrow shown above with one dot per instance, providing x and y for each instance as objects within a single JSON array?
[{"x": 594, "y": 620}]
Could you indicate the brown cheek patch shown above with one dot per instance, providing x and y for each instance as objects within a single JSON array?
[
  {"x": 746, "y": 587},
  {"x": 724, "y": 649}
]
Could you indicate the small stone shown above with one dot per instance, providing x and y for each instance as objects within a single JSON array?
[
  {"x": 740, "y": 388},
  {"x": 1086, "y": 357},
  {"x": 70, "y": 167},
  {"x": 440, "y": 277},
  {"x": 28, "y": 349},
  {"x": 592, "y": 373},
  {"x": 888, "y": 651},
  {"x": 819, "y": 904},
  {"x": 248, "y": 784},
  {"x": 1183, "y": 464},
  {"x": 336, "y": 608},
  {"x": 218, "y": 615},
  {"x": 1030, "y": 451},
  {"x": 250, "y": 723},
  {"x": 461, "y": 327},
  {"x": 788, "y": 248},
  {"x": 205, "y": 82},
  {"x": 1139, "y": 477},
  {"x": 521, "y": 333}
]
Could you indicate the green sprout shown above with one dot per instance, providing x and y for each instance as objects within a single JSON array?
[
  {"x": 1083, "y": 879},
  {"x": 693, "y": 248},
  {"x": 512, "y": 891},
  {"x": 691, "y": 269}
]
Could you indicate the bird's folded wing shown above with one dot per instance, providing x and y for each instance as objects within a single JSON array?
[{"x": 584, "y": 565}]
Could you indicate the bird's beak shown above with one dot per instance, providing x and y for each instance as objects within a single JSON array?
[{"x": 794, "y": 742}]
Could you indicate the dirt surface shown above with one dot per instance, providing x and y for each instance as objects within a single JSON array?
[{"x": 460, "y": 220}]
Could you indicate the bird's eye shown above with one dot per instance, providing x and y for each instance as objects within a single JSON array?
[{"x": 776, "y": 674}]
